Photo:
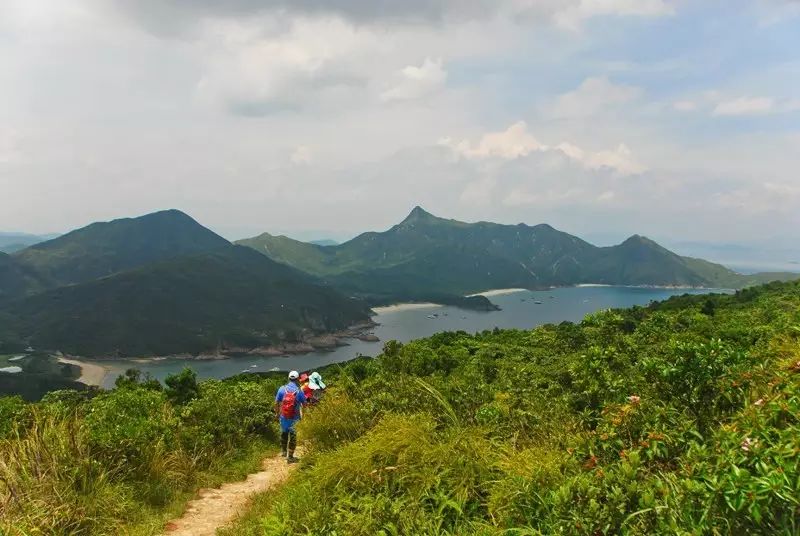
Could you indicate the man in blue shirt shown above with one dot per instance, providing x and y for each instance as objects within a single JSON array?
[{"x": 288, "y": 403}]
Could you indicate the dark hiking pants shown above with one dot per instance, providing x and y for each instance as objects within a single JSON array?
[{"x": 289, "y": 442}]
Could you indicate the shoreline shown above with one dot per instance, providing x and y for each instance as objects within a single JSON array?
[
  {"x": 404, "y": 307},
  {"x": 497, "y": 292},
  {"x": 91, "y": 373}
]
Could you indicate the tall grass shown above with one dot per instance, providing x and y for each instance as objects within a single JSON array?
[{"x": 125, "y": 461}]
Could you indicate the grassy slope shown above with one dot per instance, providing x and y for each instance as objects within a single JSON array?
[
  {"x": 535, "y": 432},
  {"x": 124, "y": 462}
]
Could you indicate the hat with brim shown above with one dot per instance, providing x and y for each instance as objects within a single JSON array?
[{"x": 316, "y": 379}]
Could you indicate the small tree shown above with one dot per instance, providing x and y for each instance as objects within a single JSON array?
[
  {"x": 182, "y": 387},
  {"x": 709, "y": 307},
  {"x": 133, "y": 377}
]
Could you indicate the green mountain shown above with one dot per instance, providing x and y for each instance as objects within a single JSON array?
[
  {"x": 106, "y": 248},
  {"x": 188, "y": 304},
  {"x": 17, "y": 279},
  {"x": 425, "y": 255}
]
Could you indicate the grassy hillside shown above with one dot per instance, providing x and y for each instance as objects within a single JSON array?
[
  {"x": 682, "y": 417},
  {"x": 105, "y": 248},
  {"x": 678, "y": 418},
  {"x": 125, "y": 461},
  {"x": 425, "y": 255},
  {"x": 189, "y": 304}
]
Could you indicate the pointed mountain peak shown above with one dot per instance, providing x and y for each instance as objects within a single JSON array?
[
  {"x": 640, "y": 241},
  {"x": 418, "y": 214}
]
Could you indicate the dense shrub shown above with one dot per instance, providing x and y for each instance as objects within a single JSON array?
[{"x": 678, "y": 418}]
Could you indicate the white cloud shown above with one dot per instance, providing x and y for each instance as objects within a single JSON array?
[
  {"x": 250, "y": 73},
  {"x": 417, "y": 82},
  {"x": 301, "y": 155},
  {"x": 684, "y": 106},
  {"x": 620, "y": 160},
  {"x": 513, "y": 142},
  {"x": 593, "y": 96},
  {"x": 574, "y": 15},
  {"x": 516, "y": 142},
  {"x": 744, "y": 106}
]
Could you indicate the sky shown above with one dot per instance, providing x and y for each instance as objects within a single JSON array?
[{"x": 676, "y": 119}]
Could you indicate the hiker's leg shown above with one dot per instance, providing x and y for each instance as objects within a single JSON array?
[
  {"x": 284, "y": 442},
  {"x": 292, "y": 442}
]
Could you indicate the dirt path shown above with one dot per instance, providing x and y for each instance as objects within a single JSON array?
[{"x": 215, "y": 508}]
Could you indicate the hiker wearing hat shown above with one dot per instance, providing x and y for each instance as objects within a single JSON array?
[
  {"x": 288, "y": 401},
  {"x": 316, "y": 385}
]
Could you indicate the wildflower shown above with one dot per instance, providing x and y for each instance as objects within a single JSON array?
[
  {"x": 591, "y": 463},
  {"x": 759, "y": 402},
  {"x": 748, "y": 444},
  {"x": 633, "y": 399}
]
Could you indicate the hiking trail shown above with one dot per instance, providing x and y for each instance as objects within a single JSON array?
[{"x": 215, "y": 508}]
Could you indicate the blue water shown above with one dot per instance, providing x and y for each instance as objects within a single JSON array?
[{"x": 519, "y": 310}]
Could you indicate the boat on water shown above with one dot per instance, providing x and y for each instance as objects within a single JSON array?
[{"x": 537, "y": 302}]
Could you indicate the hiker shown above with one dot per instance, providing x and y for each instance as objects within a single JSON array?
[
  {"x": 316, "y": 385},
  {"x": 288, "y": 402},
  {"x": 306, "y": 387}
]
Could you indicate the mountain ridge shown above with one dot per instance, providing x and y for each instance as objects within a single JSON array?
[{"x": 425, "y": 254}]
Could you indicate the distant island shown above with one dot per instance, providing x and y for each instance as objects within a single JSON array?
[{"x": 162, "y": 284}]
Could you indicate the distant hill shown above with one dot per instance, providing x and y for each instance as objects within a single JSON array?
[
  {"x": 424, "y": 255},
  {"x": 324, "y": 242},
  {"x": 106, "y": 248},
  {"x": 12, "y": 242},
  {"x": 188, "y": 304}
]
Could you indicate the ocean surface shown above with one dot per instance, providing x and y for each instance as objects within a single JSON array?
[{"x": 519, "y": 310}]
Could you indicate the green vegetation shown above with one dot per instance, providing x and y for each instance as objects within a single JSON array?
[
  {"x": 123, "y": 462},
  {"x": 40, "y": 374},
  {"x": 425, "y": 258},
  {"x": 106, "y": 248},
  {"x": 678, "y": 418},
  {"x": 156, "y": 285}
]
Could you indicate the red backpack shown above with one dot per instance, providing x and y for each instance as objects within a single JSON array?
[{"x": 289, "y": 404}]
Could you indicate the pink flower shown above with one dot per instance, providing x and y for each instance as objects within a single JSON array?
[
  {"x": 633, "y": 399},
  {"x": 759, "y": 402},
  {"x": 748, "y": 444}
]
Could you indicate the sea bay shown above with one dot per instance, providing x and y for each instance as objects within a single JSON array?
[{"x": 519, "y": 309}]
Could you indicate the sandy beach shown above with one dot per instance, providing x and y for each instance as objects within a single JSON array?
[
  {"x": 499, "y": 292},
  {"x": 91, "y": 373},
  {"x": 403, "y": 307}
]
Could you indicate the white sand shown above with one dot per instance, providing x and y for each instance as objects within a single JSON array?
[
  {"x": 91, "y": 373},
  {"x": 499, "y": 292},
  {"x": 403, "y": 307}
]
